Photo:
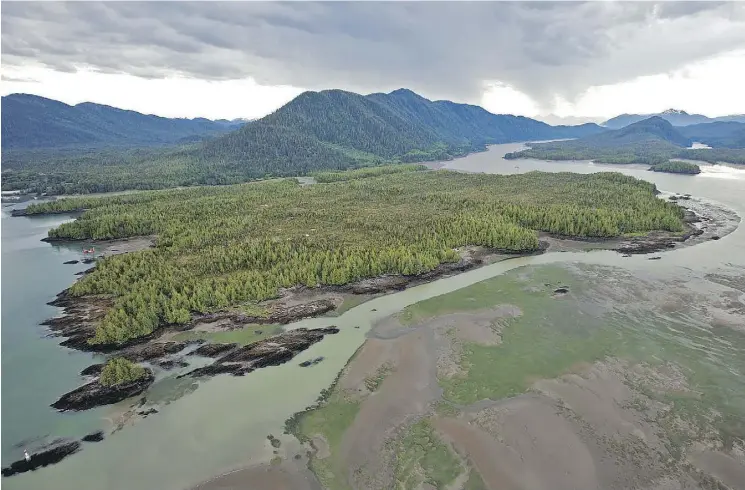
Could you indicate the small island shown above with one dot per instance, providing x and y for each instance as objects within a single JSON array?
[
  {"x": 676, "y": 167},
  {"x": 119, "y": 380}
]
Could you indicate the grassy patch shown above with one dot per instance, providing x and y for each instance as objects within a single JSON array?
[
  {"x": 555, "y": 334},
  {"x": 422, "y": 456},
  {"x": 331, "y": 421},
  {"x": 243, "y": 336}
]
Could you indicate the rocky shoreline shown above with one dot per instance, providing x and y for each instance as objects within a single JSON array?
[{"x": 95, "y": 394}]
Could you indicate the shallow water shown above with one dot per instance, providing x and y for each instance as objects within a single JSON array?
[{"x": 222, "y": 424}]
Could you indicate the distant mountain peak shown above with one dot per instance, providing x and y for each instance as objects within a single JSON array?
[{"x": 674, "y": 111}]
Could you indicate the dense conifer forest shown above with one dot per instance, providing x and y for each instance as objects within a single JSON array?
[
  {"x": 231, "y": 245},
  {"x": 677, "y": 167},
  {"x": 330, "y": 130}
]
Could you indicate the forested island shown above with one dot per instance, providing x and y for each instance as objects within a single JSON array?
[
  {"x": 653, "y": 142},
  {"x": 225, "y": 246},
  {"x": 676, "y": 167}
]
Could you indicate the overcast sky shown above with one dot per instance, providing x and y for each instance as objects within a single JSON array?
[{"x": 231, "y": 59}]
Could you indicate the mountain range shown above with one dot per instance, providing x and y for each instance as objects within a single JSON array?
[
  {"x": 30, "y": 121},
  {"x": 673, "y": 116}
]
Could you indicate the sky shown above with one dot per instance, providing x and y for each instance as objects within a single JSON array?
[{"x": 557, "y": 61}]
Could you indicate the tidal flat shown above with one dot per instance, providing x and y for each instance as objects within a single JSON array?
[{"x": 567, "y": 376}]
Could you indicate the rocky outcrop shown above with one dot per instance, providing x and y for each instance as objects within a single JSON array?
[
  {"x": 69, "y": 262},
  {"x": 281, "y": 314},
  {"x": 269, "y": 352},
  {"x": 213, "y": 350},
  {"x": 95, "y": 394},
  {"x": 54, "y": 453},
  {"x": 93, "y": 370},
  {"x": 93, "y": 437}
]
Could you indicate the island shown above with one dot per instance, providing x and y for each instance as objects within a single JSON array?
[{"x": 676, "y": 167}]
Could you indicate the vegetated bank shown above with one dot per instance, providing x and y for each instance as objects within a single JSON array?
[{"x": 221, "y": 247}]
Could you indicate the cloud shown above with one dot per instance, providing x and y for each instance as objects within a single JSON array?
[{"x": 442, "y": 49}]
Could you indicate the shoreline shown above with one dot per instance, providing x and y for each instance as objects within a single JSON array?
[
  {"x": 292, "y": 470},
  {"x": 476, "y": 257}
]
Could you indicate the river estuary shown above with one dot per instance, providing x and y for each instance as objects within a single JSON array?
[{"x": 216, "y": 426}]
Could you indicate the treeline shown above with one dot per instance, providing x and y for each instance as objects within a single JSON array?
[
  {"x": 677, "y": 167},
  {"x": 119, "y": 370},
  {"x": 223, "y": 246},
  {"x": 362, "y": 173}
]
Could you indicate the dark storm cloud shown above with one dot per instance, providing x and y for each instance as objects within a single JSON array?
[{"x": 444, "y": 49}]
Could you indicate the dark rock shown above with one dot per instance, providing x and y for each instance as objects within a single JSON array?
[
  {"x": 373, "y": 309},
  {"x": 172, "y": 363},
  {"x": 715, "y": 237},
  {"x": 71, "y": 262},
  {"x": 94, "y": 437},
  {"x": 654, "y": 258},
  {"x": 306, "y": 310},
  {"x": 273, "y": 351},
  {"x": 50, "y": 455},
  {"x": 149, "y": 411},
  {"x": 236, "y": 369},
  {"x": 88, "y": 261},
  {"x": 561, "y": 290},
  {"x": 213, "y": 350},
  {"x": 94, "y": 394},
  {"x": 626, "y": 255},
  {"x": 155, "y": 350},
  {"x": 93, "y": 370},
  {"x": 311, "y": 362},
  {"x": 87, "y": 271}
]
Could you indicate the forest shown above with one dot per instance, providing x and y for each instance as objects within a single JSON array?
[
  {"x": 676, "y": 167},
  {"x": 218, "y": 247},
  {"x": 330, "y": 130}
]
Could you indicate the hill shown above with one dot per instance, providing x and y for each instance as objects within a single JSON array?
[
  {"x": 327, "y": 130},
  {"x": 399, "y": 126},
  {"x": 30, "y": 121},
  {"x": 673, "y": 116},
  {"x": 717, "y": 134},
  {"x": 652, "y": 141}
]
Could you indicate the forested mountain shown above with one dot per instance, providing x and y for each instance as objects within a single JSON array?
[
  {"x": 673, "y": 116},
  {"x": 400, "y": 125},
  {"x": 30, "y": 121},
  {"x": 654, "y": 130},
  {"x": 717, "y": 134},
  {"x": 328, "y": 130},
  {"x": 651, "y": 141}
]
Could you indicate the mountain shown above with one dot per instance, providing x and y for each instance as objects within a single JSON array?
[
  {"x": 651, "y": 130},
  {"x": 673, "y": 116},
  {"x": 371, "y": 128},
  {"x": 650, "y": 141},
  {"x": 717, "y": 134},
  {"x": 30, "y": 121},
  {"x": 327, "y": 130}
]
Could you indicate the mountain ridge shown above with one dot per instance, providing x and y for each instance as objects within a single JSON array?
[
  {"x": 33, "y": 122},
  {"x": 676, "y": 117}
]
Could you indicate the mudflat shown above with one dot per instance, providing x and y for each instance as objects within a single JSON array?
[{"x": 615, "y": 383}]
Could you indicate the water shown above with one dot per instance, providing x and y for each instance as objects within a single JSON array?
[{"x": 221, "y": 424}]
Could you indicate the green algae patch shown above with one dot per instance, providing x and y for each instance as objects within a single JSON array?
[{"x": 422, "y": 457}]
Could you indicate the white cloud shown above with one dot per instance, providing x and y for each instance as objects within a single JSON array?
[
  {"x": 712, "y": 87},
  {"x": 170, "y": 97}
]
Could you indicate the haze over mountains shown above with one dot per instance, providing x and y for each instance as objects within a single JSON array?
[
  {"x": 30, "y": 121},
  {"x": 673, "y": 116}
]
